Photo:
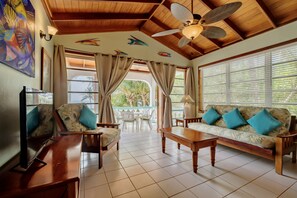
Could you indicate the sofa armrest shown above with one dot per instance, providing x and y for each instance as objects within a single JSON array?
[
  {"x": 190, "y": 120},
  {"x": 108, "y": 125},
  {"x": 293, "y": 134}
]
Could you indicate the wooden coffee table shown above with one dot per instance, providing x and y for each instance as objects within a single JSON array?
[{"x": 192, "y": 139}]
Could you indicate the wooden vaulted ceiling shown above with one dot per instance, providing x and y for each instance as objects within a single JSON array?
[{"x": 152, "y": 16}]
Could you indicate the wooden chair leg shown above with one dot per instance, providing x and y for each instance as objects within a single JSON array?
[
  {"x": 100, "y": 162},
  {"x": 294, "y": 156},
  {"x": 279, "y": 164}
]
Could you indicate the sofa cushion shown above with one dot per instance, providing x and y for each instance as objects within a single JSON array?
[
  {"x": 263, "y": 122},
  {"x": 88, "y": 118},
  {"x": 234, "y": 119},
  {"x": 211, "y": 116},
  {"x": 70, "y": 113},
  {"x": 262, "y": 141},
  {"x": 282, "y": 115}
]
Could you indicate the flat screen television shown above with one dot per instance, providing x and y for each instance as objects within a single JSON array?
[{"x": 36, "y": 124}]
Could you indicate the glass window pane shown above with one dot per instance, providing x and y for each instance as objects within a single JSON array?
[
  {"x": 82, "y": 86},
  {"x": 284, "y": 97},
  {"x": 214, "y": 98},
  {"x": 82, "y": 98},
  {"x": 284, "y": 83},
  {"x": 179, "y": 82},
  {"x": 176, "y": 98},
  {"x": 81, "y": 75},
  {"x": 178, "y": 90}
]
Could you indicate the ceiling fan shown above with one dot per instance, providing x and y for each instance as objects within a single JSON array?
[{"x": 194, "y": 24}]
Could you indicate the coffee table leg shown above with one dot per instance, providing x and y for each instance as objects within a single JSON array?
[
  {"x": 178, "y": 146},
  {"x": 195, "y": 161},
  {"x": 213, "y": 155},
  {"x": 163, "y": 143}
]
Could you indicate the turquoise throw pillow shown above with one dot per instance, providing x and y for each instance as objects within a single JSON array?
[
  {"x": 211, "y": 116},
  {"x": 88, "y": 118},
  {"x": 234, "y": 119},
  {"x": 263, "y": 122},
  {"x": 32, "y": 120}
]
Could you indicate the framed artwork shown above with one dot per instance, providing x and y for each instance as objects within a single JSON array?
[
  {"x": 46, "y": 70},
  {"x": 17, "y": 35}
]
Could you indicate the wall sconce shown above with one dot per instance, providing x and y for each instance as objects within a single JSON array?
[{"x": 51, "y": 32}]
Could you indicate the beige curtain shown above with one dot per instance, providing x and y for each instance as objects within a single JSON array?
[
  {"x": 60, "y": 77},
  {"x": 164, "y": 75},
  {"x": 111, "y": 71},
  {"x": 190, "y": 90}
]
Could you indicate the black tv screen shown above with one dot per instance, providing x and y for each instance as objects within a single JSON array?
[{"x": 36, "y": 123}]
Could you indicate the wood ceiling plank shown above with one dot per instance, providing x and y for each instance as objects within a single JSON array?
[
  {"x": 95, "y": 29},
  {"x": 97, "y": 16},
  {"x": 151, "y": 13},
  {"x": 239, "y": 33},
  {"x": 129, "y": 1},
  {"x": 266, "y": 13},
  {"x": 177, "y": 35}
]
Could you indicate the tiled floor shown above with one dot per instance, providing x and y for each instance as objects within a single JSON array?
[{"x": 140, "y": 169}]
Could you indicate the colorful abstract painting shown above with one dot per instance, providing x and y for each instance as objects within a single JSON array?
[
  {"x": 165, "y": 54},
  {"x": 17, "y": 35},
  {"x": 136, "y": 41},
  {"x": 120, "y": 53},
  {"x": 93, "y": 42}
]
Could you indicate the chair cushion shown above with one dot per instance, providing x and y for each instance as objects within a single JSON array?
[
  {"x": 70, "y": 114},
  {"x": 262, "y": 141},
  {"x": 211, "y": 116},
  {"x": 263, "y": 122},
  {"x": 109, "y": 134},
  {"x": 234, "y": 119},
  {"x": 88, "y": 118}
]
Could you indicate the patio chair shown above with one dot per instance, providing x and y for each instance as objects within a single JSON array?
[
  {"x": 98, "y": 140},
  {"x": 128, "y": 117},
  {"x": 147, "y": 118}
]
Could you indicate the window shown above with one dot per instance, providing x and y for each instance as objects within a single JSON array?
[
  {"x": 265, "y": 79},
  {"x": 82, "y": 81},
  {"x": 177, "y": 93}
]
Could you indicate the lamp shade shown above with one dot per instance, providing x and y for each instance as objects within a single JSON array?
[
  {"x": 51, "y": 30},
  {"x": 192, "y": 31},
  {"x": 187, "y": 99}
]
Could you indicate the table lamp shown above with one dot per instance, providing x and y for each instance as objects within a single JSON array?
[{"x": 187, "y": 99}]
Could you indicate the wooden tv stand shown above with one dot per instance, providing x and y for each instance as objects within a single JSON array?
[{"x": 59, "y": 178}]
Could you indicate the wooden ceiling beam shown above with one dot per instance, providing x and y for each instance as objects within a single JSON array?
[
  {"x": 266, "y": 13},
  {"x": 177, "y": 35},
  {"x": 129, "y": 1},
  {"x": 151, "y": 13},
  {"x": 72, "y": 16},
  {"x": 235, "y": 29},
  {"x": 167, "y": 44}
]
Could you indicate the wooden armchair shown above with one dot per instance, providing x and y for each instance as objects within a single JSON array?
[{"x": 94, "y": 141}]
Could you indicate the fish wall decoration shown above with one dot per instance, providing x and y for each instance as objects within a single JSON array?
[
  {"x": 92, "y": 41},
  {"x": 164, "y": 54},
  {"x": 136, "y": 41},
  {"x": 119, "y": 52}
]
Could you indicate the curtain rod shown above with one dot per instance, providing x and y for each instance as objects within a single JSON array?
[{"x": 135, "y": 59}]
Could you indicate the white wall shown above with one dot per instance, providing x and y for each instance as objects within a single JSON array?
[
  {"x": 111, "y": 41},
  {"x": 11, "y": 83}
]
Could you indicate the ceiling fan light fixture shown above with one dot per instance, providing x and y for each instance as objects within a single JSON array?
[{"x": 192, "y": 31}]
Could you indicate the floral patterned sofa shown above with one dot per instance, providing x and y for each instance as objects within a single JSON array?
[
  {"x": 104, "y": 137},
  {"x": 273, "y": 146}
]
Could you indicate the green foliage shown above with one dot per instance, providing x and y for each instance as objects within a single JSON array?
[{"x": 131, "y": 94}]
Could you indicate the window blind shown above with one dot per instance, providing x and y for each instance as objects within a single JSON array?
[{"x": 268, "y": 78}]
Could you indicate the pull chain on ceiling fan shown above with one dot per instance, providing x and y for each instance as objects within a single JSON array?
[{"x": 194, "y": 24}]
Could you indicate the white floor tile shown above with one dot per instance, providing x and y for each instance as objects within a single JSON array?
[
  {"x": 95, "y": 180},
  {"x": 221, "y": 186},
  {"x": 134, "y": 170},
  {"x": 121, "y": 187},
  {"x": 185, "y": 194},
  {"x": 149, "y": 166},
  {"x": 289, "y": 194},
  {"x": 132, "y": 194},
  {"x": 203, "y": 190},
  {"x": 189, "y": 180},
  {"x": 102, "y": 190},
  {"x": 171, "y": 186},
  {"x": 239, "y": 194},
  {"x": 142, "y": 180},
  {"x": 116, "y": 175},
  {"x": 159, "y": 175},
  {"x": 152, "y": 191},
  {"x": 257, "y": 191}
]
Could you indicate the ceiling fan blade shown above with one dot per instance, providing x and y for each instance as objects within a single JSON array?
[
  {"x": 213, "y": 32},
  {"x": 183, "y": 41},
  {"x": 221, "y": 12},
  {"x": 165, "y": 33},
  {"x": 181, "y": 13}
]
